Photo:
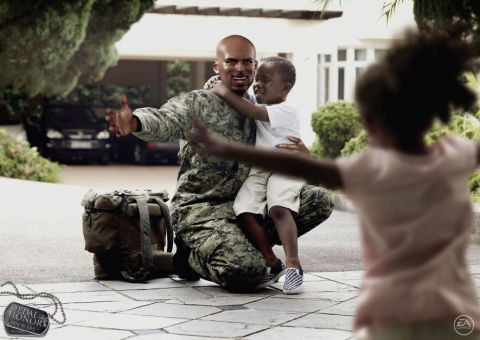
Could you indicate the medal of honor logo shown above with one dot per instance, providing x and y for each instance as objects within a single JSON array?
[
  {"x": 463, "y": 325},
  {"x": 21, "y": 320}
]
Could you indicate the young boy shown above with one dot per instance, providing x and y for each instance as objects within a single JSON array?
[{"x": 264, "y": 191}]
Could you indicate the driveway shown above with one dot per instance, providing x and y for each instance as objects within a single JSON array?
[{"x": 122, "y": 177}]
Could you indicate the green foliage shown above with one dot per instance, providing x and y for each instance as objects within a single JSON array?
[
  {"x": 45, "y": 46},
  {"x": 19, "y": 160},
  {"x": 434, "y": 15},
  {"x": 474, "y": 184},
  {"x": 355, "y": 145},
  {"x": 178, "y": 78},
  {"x": 16, "y": 98},
  {"x": 334, "y": 124},
  {"x": 464, "y": 125}
]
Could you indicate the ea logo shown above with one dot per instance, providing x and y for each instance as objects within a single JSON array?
[{"x": 463, "y": 325}]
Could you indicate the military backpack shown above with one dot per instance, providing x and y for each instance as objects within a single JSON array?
[{"x": 126, "y": 232}]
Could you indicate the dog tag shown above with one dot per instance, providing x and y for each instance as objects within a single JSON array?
[{"x": 21, "y": 320}]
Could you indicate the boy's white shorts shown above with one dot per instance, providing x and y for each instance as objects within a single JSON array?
[{"x": 264, "y": 189}]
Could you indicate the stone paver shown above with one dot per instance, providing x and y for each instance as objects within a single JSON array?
[
  {"x": 215, "y": 328},
  {"x": 299, "y": 333},
  {"x": 291, "y": 305},
  {"x": 69, "y": 287},
  {"x": 327, "y": 321},
  {"x": 252, "y": 316},
  {"x": 173, "y": 309},
  {"x": 131, "y": 322}
]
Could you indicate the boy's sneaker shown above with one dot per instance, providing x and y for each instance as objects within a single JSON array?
[
  {"x": 293, "y": 281},
  {"x": 272, "y": 274}
]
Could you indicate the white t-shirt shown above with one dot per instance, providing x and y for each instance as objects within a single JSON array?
[
  {"x": 284, "y": 122},
  {"x": 416, "y": 219}
]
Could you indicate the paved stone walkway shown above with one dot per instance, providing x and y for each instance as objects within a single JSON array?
[{"x": 173, "y": 309}]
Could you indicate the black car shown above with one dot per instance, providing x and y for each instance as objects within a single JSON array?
[
  {"x": 75, "y": 132},
  {"x": 131, "y": 149}
]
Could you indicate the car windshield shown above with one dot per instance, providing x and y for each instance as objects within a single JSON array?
[{"x": 71, "y": 115}]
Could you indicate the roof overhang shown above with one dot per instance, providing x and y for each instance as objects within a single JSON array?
[{"x": 262, "y": 9}]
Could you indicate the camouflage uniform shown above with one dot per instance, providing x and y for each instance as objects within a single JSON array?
[{"x": 206, "y": 188}]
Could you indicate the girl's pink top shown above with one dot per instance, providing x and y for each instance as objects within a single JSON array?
[{"x": 416, "y": 219}]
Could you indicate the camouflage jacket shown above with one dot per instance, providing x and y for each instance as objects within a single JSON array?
[{"x": 206, "y": 186}]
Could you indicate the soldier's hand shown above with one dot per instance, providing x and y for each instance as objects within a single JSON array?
[
  {"x": 121, "y": 121},
  {"x": 296, "y": 146},
  {"x": 212, "y": 143}
]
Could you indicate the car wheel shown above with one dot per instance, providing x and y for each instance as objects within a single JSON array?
[{"x": 138, "y": 155}]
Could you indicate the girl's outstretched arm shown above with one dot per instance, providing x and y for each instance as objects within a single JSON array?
[{"x": 315, "y": 172}]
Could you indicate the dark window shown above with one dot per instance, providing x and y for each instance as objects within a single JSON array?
[
  {"x": 341, "y": 83},
  {"x": 358, "y": 72},
  {"x": 360, "y": 54},
  {"x": 379, "y": 53},
  {"x": 327, "y": 81}
]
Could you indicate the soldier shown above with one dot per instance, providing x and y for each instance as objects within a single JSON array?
[{"x": 209, "y": 242}]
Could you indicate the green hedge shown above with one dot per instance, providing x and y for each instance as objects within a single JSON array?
[
  {"x": 334, "y": 124},
  {"x": 464, "y": 125},
  {"x": 19, "y": 160}
]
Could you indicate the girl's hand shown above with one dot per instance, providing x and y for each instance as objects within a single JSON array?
[
  {"x": 212, "y": 143},
  {"x": 297, "y": 146}
]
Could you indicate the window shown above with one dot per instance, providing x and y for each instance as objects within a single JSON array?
[
  {"x": 342, "y": 55},
  {"x": 341, "y": 83},
  {"x": 379, "y": 53},
  {"x": 327, "y": 81},
  {"x": 327, "y": 58},
  {"x": 358, "y": 72},
  {"x": 360, "y": 54}
]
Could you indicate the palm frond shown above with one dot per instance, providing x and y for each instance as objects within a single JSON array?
[
  {"x": 389, "y": 8},
  {"x": 325, "y": 4}
]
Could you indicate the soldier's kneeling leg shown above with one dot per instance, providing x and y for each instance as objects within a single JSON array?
[{"x": 220, "y": 252}]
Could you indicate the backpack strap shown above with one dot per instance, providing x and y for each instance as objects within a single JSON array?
[
  {"x": 147, "y": 255},
  {"x": 168, "y": 224}
]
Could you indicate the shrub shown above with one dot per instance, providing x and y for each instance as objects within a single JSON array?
[
  {"x": 356, "y": 144},
  {"x": 334, "y": 124},
  {"x": 19, "y": 160},
  {"x": 464, "y": 125}
]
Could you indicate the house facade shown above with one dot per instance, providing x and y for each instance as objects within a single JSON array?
[{"x": 329, "y": 52}]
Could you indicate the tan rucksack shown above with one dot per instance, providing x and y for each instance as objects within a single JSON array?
[{"x": 126, "y": 232}]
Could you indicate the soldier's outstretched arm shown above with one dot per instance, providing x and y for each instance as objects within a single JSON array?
[{"x": 168, "y": 123}]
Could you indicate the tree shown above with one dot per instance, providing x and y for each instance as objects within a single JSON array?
[
  {"x": 434, "y": 15},
  {"x": 47, "y": 45},
  {"x": 178, "y": 77}
]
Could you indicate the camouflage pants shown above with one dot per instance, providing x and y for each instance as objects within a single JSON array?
[{"x": 222, "y": 253}]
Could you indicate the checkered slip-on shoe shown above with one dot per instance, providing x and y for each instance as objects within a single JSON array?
[
  {"x": 272, "y": 274},
  {"x": 293, "y": 281}
]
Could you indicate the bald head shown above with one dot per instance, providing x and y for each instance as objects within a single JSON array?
[
  {"x": 234, "y": 40},
  {"x": 235, "y": 63}
]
